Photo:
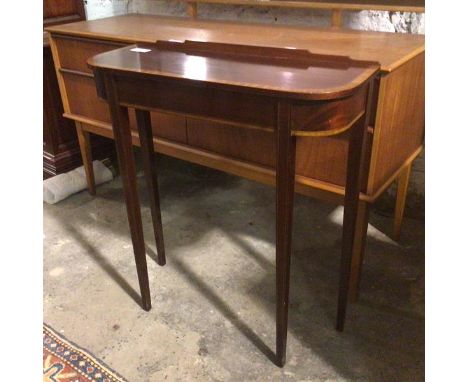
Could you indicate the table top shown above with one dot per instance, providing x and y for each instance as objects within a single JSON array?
[
  {"x": 289, "y": 73},
  {"x": 389, "y": 49}
]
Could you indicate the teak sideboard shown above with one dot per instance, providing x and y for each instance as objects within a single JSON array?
[
  {"x": 61, "y": 151},
  {"x": 394, "y": 135}
]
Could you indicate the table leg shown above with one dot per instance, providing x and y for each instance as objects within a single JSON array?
[
  {"x": 123, "y": 143},
  {"x": 285, "y": 167},
  {"x": 402, "y": 189},
  {"x": 359, "y": 249},
  {"x": 86, "y": 156},
  {"x": 351, "y": 204},
  {"x": 143, "y": 118}
]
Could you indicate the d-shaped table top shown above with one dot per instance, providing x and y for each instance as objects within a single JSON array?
[{"x": 289, "y": 73}]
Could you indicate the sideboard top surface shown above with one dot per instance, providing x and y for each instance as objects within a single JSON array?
[{"x": 389, "y": 49}]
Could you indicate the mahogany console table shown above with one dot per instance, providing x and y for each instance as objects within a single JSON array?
[
  {"x": 285, "y": 93},
  {"x": 394, "y": 136}
]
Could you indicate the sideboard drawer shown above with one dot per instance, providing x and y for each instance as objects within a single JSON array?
[
  {"x": 164, "y": 125},
  {"x": 250, "y": 145},
  {"x": 74, "y": 52},
  {"x": 322, "y": 158},
  {"x": 84, "y": 101}
]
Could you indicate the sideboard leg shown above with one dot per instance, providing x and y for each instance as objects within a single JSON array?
[
  {"x": 86, "y": 156},
  {"x": 402, "y": 190},
  {"x": 123, "y": 143},
  {"x": 351, "y": 204},
  {"x": 143, "y": 118},
  {"x": 285, "y": 167},
  {"x": 359, "y": 250}
]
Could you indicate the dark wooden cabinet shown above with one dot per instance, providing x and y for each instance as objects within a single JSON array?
[
  {"x": 61, "y": 151},
  {"x": 63, "y": 11}
]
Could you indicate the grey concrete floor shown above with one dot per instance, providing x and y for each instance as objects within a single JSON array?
[{"x": 214, "y": 302}]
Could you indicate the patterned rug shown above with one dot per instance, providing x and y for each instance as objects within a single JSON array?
[{"x": 66, "y": 362}]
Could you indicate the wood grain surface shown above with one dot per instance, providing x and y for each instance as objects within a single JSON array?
[
  {"x": 389, "y": 49},
  {"x": 281, "y": 72}
]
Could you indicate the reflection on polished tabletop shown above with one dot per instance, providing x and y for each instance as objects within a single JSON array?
[{"x": 286, "y": 72}]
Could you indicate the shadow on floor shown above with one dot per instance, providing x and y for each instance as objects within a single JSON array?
[{"x": 385, "y": 329}]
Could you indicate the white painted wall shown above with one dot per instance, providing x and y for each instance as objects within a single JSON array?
[
  {"x": 366, "y": 20},
  {"x": 98, "y": 9}
]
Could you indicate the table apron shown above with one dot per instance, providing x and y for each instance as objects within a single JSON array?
[{"x": 241, "y": 109}]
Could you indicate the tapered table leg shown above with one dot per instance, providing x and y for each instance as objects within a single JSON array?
[
  {"x": 359, "y": 249},
  {"x": 351, "y": 205},
  {"x": 123, "y": 143},
  {"x": 86, "y": 156},
  {"x": 285, "y": 166},
  {"x": 143, "y": 118},
  {"x": 402, "y": 190}
]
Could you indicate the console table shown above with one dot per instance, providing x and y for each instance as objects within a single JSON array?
[
  {"x": 394, "y": 135},
  {"x": 286, "y": 93}
]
